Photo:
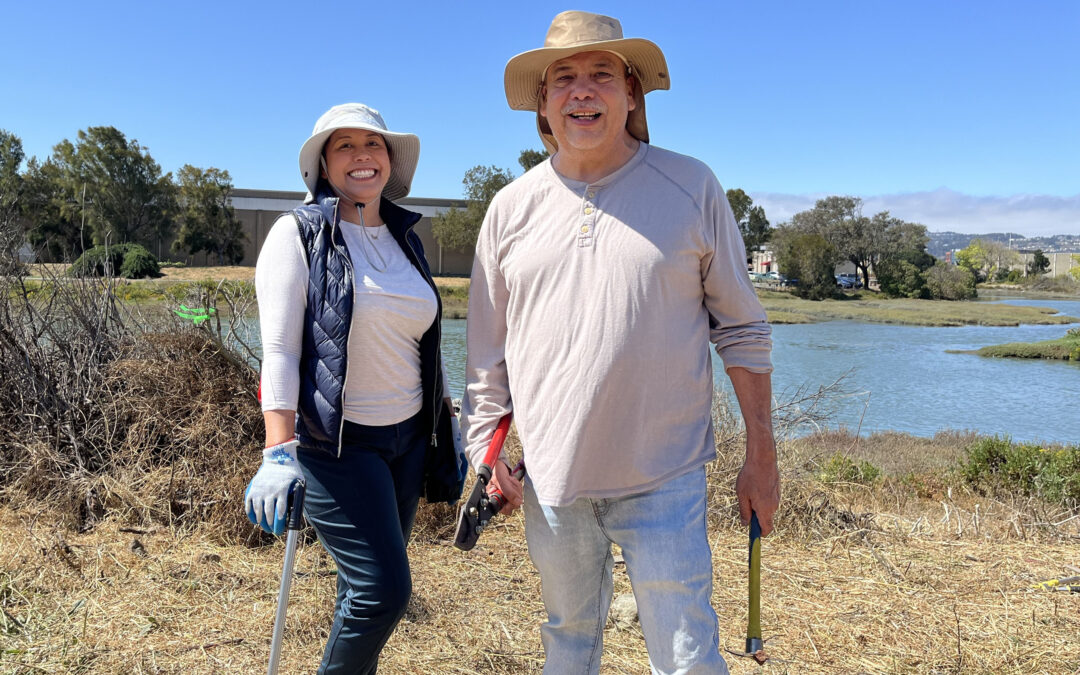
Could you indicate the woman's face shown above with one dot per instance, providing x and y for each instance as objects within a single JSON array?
[{"x": 357, "y": 164}]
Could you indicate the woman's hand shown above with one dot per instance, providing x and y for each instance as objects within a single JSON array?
[{"x": 266, "y": 500}]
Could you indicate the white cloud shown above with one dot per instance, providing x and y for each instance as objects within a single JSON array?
[{"x": 947, "y": 210}]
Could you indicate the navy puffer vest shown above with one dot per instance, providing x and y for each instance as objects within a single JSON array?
[{"x": 327, "y": 321}]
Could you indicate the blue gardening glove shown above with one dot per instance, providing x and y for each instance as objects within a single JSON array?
[
  {"x": 266, "y": 499},
  {"x": 459, "y": 450}
]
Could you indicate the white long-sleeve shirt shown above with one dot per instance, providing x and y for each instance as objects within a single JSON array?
[
  {"x": 590, "y": 310},
  {"x": 392, "y": 309}
]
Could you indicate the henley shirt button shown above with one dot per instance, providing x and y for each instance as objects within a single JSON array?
[
  {"x": 590, "y": 194},
  {"x": 588, "y": 211},
  {"x": 584, "y": 228}
]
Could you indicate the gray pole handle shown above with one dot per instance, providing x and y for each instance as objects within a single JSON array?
[{"x": 293, "y": 526}]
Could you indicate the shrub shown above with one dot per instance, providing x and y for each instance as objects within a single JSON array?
[
  {"x": 810, "y": 259},
  {"x": 1014, "y": 276},
  {"x": 139, "y": 263},
  {"x": 901, "y": 279},
  {"x": 998, "y": 465},
  {"x": 130, "y": 261},
  {"x": 1061, "y": 284},
  {"x": 123, "y": 416},
  {"x": 841, "y": 469},
  {"x": 950, "y": 282}
]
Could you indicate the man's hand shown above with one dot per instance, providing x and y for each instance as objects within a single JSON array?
[
  {"x": 758, "y": 484},
  {"x": 508, "y": 485}
]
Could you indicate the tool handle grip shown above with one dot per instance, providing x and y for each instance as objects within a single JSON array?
[
  {"x": 496, "y": 498},
  {"x": 296, "y": 507},
  {"x": 495, "y": 447},
  {"x": 753, "y": 624}
]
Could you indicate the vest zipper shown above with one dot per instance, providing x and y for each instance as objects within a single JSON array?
[{"x": 348, "y": 331}]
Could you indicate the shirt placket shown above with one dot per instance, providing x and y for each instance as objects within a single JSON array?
[{"x": 587, "y": 227}]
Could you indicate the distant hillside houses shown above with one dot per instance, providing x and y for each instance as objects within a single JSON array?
[
  {"x": 763, "y": 261},
  {"x": 1059, "y": 248},
  {"x": 940, "y": 242}
]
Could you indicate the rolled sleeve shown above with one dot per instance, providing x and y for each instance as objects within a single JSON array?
[{"x": 738, "y": 326}]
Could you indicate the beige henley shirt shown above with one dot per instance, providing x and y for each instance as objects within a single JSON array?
[{"x": 590, "y": 310}]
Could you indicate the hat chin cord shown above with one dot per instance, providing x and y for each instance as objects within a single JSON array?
[{"x": 363, "y": 228}]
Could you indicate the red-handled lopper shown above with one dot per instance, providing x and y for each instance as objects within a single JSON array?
[{"x": 481, "y": 506}]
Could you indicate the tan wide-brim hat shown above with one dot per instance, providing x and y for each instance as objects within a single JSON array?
[
  {"x": 404, "y": 148},
  {"x": 574, "y": 32}
]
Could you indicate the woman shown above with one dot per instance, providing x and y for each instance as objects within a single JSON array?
[{"x": 353, "y": 390}]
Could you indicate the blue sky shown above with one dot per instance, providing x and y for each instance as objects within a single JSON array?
[{"x": 960, "y": 115}]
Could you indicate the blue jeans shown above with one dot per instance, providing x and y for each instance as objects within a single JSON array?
[
  {"x": 362, "y": 506},
  {"x": 663, "y": 541}
]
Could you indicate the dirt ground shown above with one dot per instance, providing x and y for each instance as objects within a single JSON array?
[
  {"x": 935, "y": 586},
  {"x": 229, "y": 273}
]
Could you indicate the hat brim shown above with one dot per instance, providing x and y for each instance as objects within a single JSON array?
[
  {"x": 404, "y": 155},
  {"x": 524, "y": 73}
]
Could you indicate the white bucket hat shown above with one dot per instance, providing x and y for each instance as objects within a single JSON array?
[
  {"x": 404, "y": 148},
  {"x": 574, "y": 32}
]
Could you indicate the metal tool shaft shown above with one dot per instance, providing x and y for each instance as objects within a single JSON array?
[
  {"x": 293, "y": 528},
  {"x": 753, "y": 624}
]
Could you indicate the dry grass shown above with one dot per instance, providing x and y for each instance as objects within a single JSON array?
[
  {"x": 895, "y": 453},
  {"x": 874, "y": 308},
  {"x": 453, "y": 282},
  {"x": 123, "y": 549},
  {"x": 858, "y": 579},
  {"x": 227, "y": 272}
]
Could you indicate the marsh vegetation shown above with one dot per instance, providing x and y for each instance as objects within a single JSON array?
[{"x": 129, "y": 436}]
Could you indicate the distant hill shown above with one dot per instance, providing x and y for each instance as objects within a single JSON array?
[{"x": 940, "y": 242}]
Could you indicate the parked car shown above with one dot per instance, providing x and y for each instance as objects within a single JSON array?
[
  {"x": 777, "y": 278},
  {"x": 848, "y": 281}
]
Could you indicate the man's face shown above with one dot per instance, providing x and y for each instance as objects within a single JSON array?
[{"x": 586, "y": 99}]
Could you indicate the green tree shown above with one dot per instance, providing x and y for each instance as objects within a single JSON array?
[
  {"x": 903, "y": 275},
  {"x": 53, "y": 218},
  {"x": 808, "y": 257},
  {"x": 127, "y": 198},
  {"x": 1074, "y": 271},
  {"x": 12, "y": 197},
  {"x": 530, "y": 158},
  {"x": 837, "y": 220},
  {"x": 856, "y": 238},
  {"x": 11, "y": 181},
  {"x": 988, "y": 260},
  {"x": 902, "y": 237},
  {"x": 458, "y": 229},
  {"x": 1039, "y": 264},
  {"x": 753, "y": 225},
  {"x": 207, "y": 220},
  {"x": 902, "y": 261},
  {"x": 950, "y": 282}
]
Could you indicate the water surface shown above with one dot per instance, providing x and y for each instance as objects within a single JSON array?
[{"x": 901, "y": 378}]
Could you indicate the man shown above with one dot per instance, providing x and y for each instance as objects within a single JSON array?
[{"x": 599, "y": 276}]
